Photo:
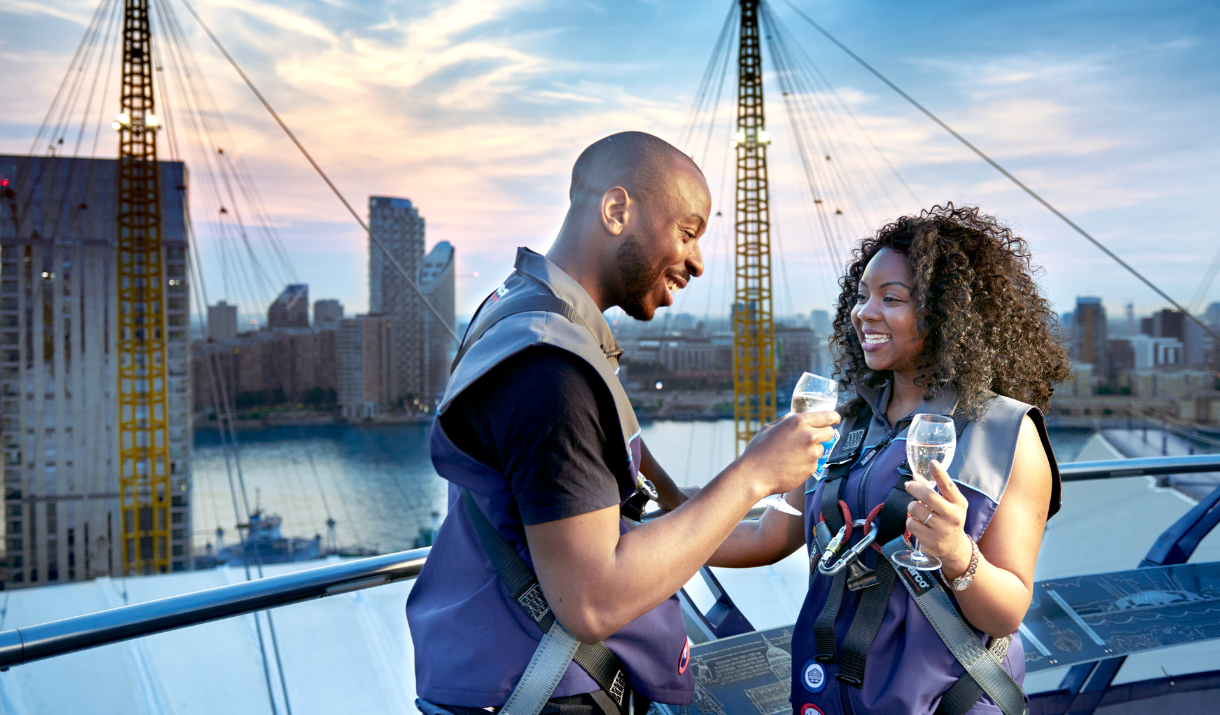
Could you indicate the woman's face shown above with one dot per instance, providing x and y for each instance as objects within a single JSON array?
[{"x": 885, "y": 316}]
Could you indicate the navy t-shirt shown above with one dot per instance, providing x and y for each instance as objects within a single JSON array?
[{"x": 545, "y": 419}]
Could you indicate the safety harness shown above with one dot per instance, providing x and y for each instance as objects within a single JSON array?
[
  {"x": 558, "y": 648},
  {"x": 884, "y": 531}
]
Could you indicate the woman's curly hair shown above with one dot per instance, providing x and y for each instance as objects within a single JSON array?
[{"x": 984, "y": 322}]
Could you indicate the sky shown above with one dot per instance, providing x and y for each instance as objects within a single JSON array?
[{"x": 475, "y": 110}]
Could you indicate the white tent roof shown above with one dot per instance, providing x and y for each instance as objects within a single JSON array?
[{"x": 352, "y": 653}]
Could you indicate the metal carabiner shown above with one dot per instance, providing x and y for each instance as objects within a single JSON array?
[{"x": 824, "y": 565}]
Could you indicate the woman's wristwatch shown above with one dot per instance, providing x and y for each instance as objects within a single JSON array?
[{"x": 961, "y": 583}]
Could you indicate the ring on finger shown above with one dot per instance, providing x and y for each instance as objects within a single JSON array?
[{"x": 930, "y": 515}]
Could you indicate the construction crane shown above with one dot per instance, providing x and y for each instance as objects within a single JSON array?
[
  {"x": 753, "y": 331},
  {"x": 144, "y": 486}
]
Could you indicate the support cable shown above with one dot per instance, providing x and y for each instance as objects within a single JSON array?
[
  {"x": 221, "y": 417},
  {"x": 372, "y": 237},
  {"x": 692, "y": 117},
  {"x": 1005, "y": 172},
  {"x": 238, "y": 169},
  {"x": 724, "y": 70},
  {"x": 802, "y": 54},
  {"x": 1205, "y": 285}
]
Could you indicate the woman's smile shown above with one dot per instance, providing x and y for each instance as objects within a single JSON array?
[
  {"x": 874, "y": 341},
  {"x": 885, "y": 317}
]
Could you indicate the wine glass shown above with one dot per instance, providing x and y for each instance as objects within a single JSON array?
[
  {"x": 930, "y": 437},
  {"x": 812, "y": 393}
]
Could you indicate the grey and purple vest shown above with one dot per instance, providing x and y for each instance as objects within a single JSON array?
[
  {"x": 472, "y": 641},
  {"x": 909, "y": 667}
]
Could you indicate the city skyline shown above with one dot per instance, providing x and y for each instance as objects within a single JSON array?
[{"x": 475, "y": 111}]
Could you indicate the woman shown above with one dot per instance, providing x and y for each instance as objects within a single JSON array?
[{"x": 939, "y": 313}]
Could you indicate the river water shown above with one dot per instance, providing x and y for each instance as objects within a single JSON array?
[{"x": 378, "y": 484}]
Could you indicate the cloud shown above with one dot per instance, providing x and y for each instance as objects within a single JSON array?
[{"x": 475, "y": 110}]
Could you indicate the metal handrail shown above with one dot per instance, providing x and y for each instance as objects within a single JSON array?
[
  {"x": 1141, "y": 466},
  {"x": 46, "y": 640}
]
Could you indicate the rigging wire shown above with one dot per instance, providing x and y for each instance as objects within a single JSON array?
[
  {"x": 692, "y": 117},
  {"x": 230, "y": 170},
  {"x": 209, "y": 141},
  {"x": 372, "y": 237},
  {"x": 807, "y": 77},
  {"x": 238, "y": 169},
  {"x": 196, "y": 279},
  {"x": 1205, "y": 285},
  {"x": 724, "y": 70},
  {"x": 1005, "y": 172}
]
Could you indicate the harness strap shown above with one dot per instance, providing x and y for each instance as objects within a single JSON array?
[
  {"x": 542, "y": 302},
  {"x": 864, "y": 627},
  {"x": 962, "y": 696},
  {"x": 555, "y": 653},
  {"x": 824, "y": 626},
  {"x": 876, "y": 599},
  {"x": 981, "y": 664},
  {"x": 832, "y": 495},
  {"x": 832, "y": 521},
  {"x": 838, "y": 466}
]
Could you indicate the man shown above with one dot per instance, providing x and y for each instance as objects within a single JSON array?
[{"x": 541, "y": 448}]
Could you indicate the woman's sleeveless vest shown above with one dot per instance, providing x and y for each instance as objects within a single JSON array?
[
  {"x": 472, "y": 641},
  {"x": 908, "y": 666}
]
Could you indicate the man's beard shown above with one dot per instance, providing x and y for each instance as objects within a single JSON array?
[{"x": 638, "y": 279}]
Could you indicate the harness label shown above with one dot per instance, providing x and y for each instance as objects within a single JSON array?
[
  {"x": 919, "y": 581},
  {"x": 814, "y": 677},
  {"x": 534, "y": 603},
  {"x": 853, "y": 440}
]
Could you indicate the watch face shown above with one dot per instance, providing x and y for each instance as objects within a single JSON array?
[{"x": 963, "y": 583}]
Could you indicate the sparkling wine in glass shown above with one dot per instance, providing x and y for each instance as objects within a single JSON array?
[
  {"x": 812, "y": 393},
  {"x": 929, "y": 438}
]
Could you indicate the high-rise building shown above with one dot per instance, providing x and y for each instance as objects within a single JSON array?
[
  {"x": 436, "y": 280},
  {"x": 290, "y": 309},
  {"x": 327, "y": 313},
  {"x": 1169, "y": 323},
  {"x": 796, "y": 352},
  {"x": 59, "y": 370},
  {"x": 222, "y": 322},
  {"x": 1089, "y": 333},
  {"x": 399, "y": 228},
  {"x": 364, "y": 356},
  {"x": 822, "y": 324}
]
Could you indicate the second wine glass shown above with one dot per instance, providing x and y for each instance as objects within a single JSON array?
[{"x": 929, "y": 438}]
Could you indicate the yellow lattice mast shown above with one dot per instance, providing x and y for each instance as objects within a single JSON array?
[
  {"x": 143, "y": 409},
  {"x": 753, "y": 336}
]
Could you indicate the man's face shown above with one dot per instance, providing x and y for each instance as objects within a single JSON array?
[{"x": 660, "y": 252}]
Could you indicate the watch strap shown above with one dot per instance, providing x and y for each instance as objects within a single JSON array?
[{"x": 961, "y": 583}]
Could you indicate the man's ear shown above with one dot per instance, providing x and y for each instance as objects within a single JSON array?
[{"x": 615, "y": 210}]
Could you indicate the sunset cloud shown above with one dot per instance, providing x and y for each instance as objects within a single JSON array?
[{"x": 475, "y": 110}]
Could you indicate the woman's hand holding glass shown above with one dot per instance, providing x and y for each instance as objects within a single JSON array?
[{"x": 942, "y": 536}]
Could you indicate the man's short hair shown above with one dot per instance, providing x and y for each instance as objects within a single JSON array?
[{"x": 639, "y": 162}]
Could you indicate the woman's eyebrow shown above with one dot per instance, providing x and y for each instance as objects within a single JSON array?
[{"x": 894, "y": 283}]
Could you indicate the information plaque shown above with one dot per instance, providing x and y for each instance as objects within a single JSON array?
[{"x": 749, "y": 674}]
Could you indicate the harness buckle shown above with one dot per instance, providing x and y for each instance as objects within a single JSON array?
[
  {"x": 859, "y": 576},
  {"x": 829, "y": 566}
]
